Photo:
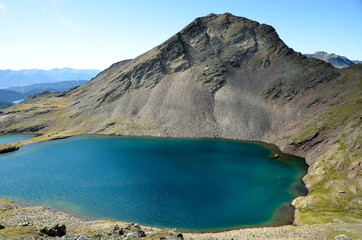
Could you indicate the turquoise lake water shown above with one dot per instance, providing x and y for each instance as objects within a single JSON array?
[
  {"x": 190, "y": 184},
  {"x": 5, "y": 139}
]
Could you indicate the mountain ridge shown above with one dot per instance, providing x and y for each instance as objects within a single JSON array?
[{"x": 334, "y": 59}]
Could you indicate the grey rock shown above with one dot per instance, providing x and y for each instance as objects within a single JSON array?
[
  {"x": 118, "y": 230},
  {"x": 132, "y": 234},
  {"x": 25, "y": 224},
  {"x": 116, "y": 227},
  {"x": 55, "y": 231},
  {"x": 141, "y": 233},
  {"x": 342, "y": 237},
  {"x": 354, "y": 168},
  {"x": 81, "y": 237}
]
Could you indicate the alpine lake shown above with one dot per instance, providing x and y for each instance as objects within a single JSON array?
[{"x": 190, "y": 184}]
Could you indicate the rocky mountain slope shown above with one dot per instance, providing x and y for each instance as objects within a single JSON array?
[
  {"x": 334, "y": 59},
  {"x": 227, "y": 77}
]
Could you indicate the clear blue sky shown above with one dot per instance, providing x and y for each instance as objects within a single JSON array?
[{"x": 96, "y": 33}]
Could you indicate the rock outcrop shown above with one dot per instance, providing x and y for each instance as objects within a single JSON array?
[
  {"x": 228, "y": 77},
  {"x": 5, "y": 148},
  {"x": 55, "y": 231}
]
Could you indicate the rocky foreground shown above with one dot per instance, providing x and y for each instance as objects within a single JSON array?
[{"x": 41, "y": 223}]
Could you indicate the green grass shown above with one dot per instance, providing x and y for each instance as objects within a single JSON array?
[
  {"x": 330, "y": 198},
  {"x": 19, "y": 232}
]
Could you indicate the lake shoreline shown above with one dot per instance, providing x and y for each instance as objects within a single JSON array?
[{"x": 28, "y": 221}]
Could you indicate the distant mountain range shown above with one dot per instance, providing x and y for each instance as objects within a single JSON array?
[
  {"x": 41, "y": 87},
  {"x": 334, "y": 59},
  {"x": 12, "y": 78},
  {"x": 9, "y": 95},
  {"x": 4, "y": 105}
]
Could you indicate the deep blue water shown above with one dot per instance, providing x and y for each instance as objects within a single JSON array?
[
  {"x": 190, "y": 184},
  {"x": 5, "y": 139}
]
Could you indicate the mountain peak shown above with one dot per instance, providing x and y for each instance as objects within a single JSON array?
[
  {"x": 321, "y": 52},
  {"x": 334, "y": 59},
  {"x": 218, "y": 40}
]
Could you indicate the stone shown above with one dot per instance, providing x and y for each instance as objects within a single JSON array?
[
  {"x": 141, "y": 233},
  {"x": 2, "y": 226},
  {"x": 25, "y": 224},
  {"x": 342, "y": 237},
  {"x": 354, "y": 168},
  {"x": 56, "y": 231},
  {"x": 116, "y": 227},
  {"x": 117, "y": 230},
  {"x": 276, "y": 155},
  {"x": 82, "y": 237},
  {"x": 353, "y": 189},
  {"x": 132, "y": 235}
]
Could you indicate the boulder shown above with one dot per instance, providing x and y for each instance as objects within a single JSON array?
[
  {"x": 342, "y": 237},
  {"x": 56, "y": 231},
  {"x": 118, "y": 230},
  {"x": 132, "y": 230},
  {"x": 24, "y": 224}
]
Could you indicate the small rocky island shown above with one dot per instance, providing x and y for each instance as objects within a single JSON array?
[{"x": 222, "y": 76}]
